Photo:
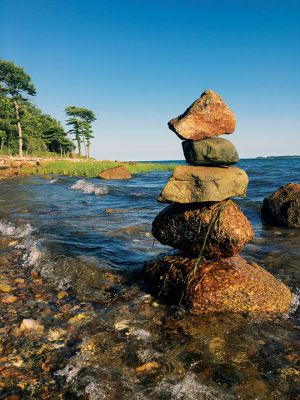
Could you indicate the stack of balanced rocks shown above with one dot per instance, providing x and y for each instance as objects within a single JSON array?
[{"x": 206, "y": 226}]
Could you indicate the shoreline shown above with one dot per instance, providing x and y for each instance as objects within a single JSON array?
[{"x": 15, "y": 166}]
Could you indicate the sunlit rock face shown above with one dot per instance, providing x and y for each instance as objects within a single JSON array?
[
  {"x": 216, "y": 229},
  {"x": 191, "y": 184},
  {"x": 208, "y": 116},
  {"x": 226, "y": 285}
]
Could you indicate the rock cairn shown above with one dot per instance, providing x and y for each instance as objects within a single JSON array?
[{"x": 206, "y": 226}]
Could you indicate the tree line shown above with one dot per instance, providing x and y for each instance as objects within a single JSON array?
[{"x": 25, "y": 128}]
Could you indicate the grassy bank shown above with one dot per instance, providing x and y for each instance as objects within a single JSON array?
[{"x": 92, "y": 169}]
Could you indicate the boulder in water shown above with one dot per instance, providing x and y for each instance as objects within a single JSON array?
[
  {"x": 282, "y": 208},
  {"x": 119, "y": 172},
  {"x": 213, "y": 229},
  {"x": 208, "y": 116},
  {"x": 226, "y": 285}
]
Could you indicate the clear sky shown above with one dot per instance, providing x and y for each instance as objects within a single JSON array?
[{"x": 138, "y": 63}]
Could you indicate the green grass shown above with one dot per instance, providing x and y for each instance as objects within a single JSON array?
[{"x": 92, "y": 169}]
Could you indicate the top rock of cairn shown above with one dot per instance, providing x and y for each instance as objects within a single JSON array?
[{"x": 208, "y": 116}]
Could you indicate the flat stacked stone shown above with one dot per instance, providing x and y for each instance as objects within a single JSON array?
[
  {"x": 211, "y": 151},
  {"x": 195, "y": 184},
  {"x": 206, "y": 226}
]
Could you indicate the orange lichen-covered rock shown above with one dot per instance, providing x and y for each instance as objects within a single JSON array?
[
  {"x": 227, "y": 285},
  {"x": 217, "y": 229},
  {"x": 208, "y": 116}
]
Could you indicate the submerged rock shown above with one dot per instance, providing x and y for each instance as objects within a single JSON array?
[
  {"x": 31, "y": 327},
  {"x": 116, "y": 173},
  {"x": 218, "y": 229},
  {"x": 190, "y": 184},
  {"x": 282, "y": 208},
  {"x": 211, "y": 151},
  {"x": 226, "y": 285},
  {"x": 208, "y": 116}
]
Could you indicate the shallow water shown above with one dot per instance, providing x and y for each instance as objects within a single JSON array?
[{"x": 62, "y": 225}]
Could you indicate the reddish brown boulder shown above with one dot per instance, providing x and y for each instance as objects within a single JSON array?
[
  {"x": 227, "y": 285},
  {"x": 115, "y": 173},
  {"x": 282, "y": 208},
  {"x": 213, "y": 229},
  {"x": 207, "y": 117}
]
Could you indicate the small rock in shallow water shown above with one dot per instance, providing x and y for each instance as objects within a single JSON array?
[
  {"x": 9, "y": 299},
  {"x": 5, "y": 288},
  {"x": 79, "y": 319},
  {"x": 62, "y": 294},
  {"x": 122, "y": 325},
  {"x": 56, "y": 334},
  {"x": 31, "y": 326},
  {"x": 147, "y": 367}
]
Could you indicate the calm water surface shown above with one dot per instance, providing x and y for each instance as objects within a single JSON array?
[{"x": 213, "y": 357}]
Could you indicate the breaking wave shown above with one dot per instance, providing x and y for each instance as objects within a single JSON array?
[
  {"x": 89, "y": 188},
  {"x": 8, "y": 229},
  {"x": 28, "y": 244}
]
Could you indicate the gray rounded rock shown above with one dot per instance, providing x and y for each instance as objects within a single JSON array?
[{"x": 211, "y": 151}]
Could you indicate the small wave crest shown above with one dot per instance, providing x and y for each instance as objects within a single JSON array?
[
  {"x": 8, "y": 229},
  {"x": 89, "y": 188},
  {"x": 27, "y": 243}
]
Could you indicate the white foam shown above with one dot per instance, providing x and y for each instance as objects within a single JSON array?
[
  {"x": 33, "y": 254},
  {"x": 141, "y": 334},
  {"x": 89, "y": 188},
  {"x": 53, "y": 181},
  {"x": 70, "y": 372},
  {"x": 94, "y": 391},
  {"x": 8, "y": 229},
  {"x": 28, "y": 243},
  {"x": 189, "y": 389},
  {"x": 145, "y": 355}
]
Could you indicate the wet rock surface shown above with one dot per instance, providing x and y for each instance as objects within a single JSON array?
[
  {"x": 208, "y": 116},
  {"x": 212, "y": 151},
  {"x": 191, "y": 184},
  {"x": 282, "y": 208},
  {"x": 228, "y": 284},
  {"x": 213, "y": 230}
]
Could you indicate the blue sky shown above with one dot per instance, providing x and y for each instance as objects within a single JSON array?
[{"x": 138, "y": 63}]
